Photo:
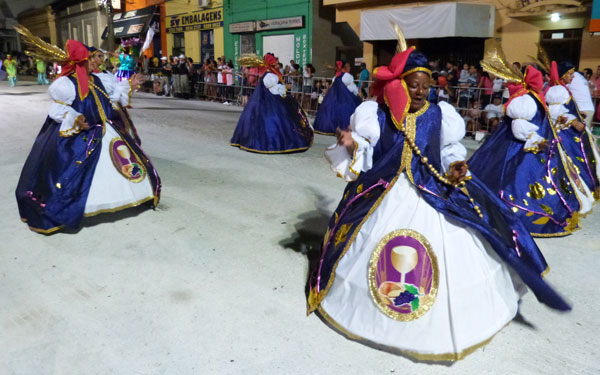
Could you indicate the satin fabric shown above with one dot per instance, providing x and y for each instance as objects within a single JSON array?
[
  {"x": 336, "y": 109},
  {"x": 503, "y": 230},
  {"x": 272, "y": 124},
  {"x": 579, "y": 146},
  {"x": 514, "y": 174},
  {"x": 57, "y": 175}
]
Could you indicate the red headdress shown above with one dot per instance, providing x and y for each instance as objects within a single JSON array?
[
  {"x": 339, "y": 68},
  {"x": 533, "y": 82},
  {"x": 391, "y": 88},
  {"x": 77, "y": 54},
  {"x": 269, "y": 65}
]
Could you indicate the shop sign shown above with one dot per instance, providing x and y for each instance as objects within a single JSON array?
[
  {"x": 242, "y": 27},
  {"x": 301, "y": 49},
  {"x": 280, "y": 23},
  {"x": 135, "y": 29},
  {"x": 201, "y": 20}
]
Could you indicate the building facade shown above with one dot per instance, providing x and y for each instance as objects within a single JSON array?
[
  {"x": 84, "y": 21},
  {"x": 562, "y": 27},
  {"x": 299, "y": 30},
  {"x": 195, "y": 29},
  {"x": 159, "y": 43}
]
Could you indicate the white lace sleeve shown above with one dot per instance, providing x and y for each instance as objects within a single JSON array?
[
  {"x": 453, "y": 130},
  {"x": 364, "y": 125},
  {"x": 522, "y": 110},
  {"x": 63, "y": 92}
]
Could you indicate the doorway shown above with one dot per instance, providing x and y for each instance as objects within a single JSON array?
[{"x": 562, "y": 44}]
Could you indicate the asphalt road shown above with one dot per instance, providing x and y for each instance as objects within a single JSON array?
[{"x": 212, "y": 282}]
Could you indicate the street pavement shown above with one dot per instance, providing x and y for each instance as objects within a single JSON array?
[{"x": 213, "y": 280}]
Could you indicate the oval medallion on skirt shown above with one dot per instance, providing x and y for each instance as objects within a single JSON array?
[
  {"x": 126, "y": 161},
  {"x": 403, "y": 275}
]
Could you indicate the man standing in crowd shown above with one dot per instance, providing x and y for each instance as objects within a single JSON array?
[
  {"x": 165, "y": 70},
  {"x": 581, "y": 94},
  {"x": 363, "y": 78}
]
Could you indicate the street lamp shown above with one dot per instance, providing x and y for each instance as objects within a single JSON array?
[{"x": 107, "y": 5}]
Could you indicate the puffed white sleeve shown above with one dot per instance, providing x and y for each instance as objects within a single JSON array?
[
  {"x": 453, "y": 130},
  {"x": 119, "y": 92},
  {"x": 349, "y": 82},
  {"x": 364, "y": 125},
  {"x": 271, "y": 82},
  {"x": 63, "y": 91},
  {"x": 522, "y": 110}
]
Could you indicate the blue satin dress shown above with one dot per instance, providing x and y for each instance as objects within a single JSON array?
[
  {"x": 271, "y": 124},
  {"x": 337, "y": 107},
  {"x": 57, "y": 175},
  {"x": 536, "y": 186},
  {"x": 579, "y": 146},
  {"x": 499, "y": 226}
]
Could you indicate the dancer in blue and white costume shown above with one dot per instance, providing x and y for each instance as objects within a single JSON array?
[
  {"x": 80, "y": 164},
  {"x": 272, "y": 122},
  {"x": 419, "y": 258},
  {"x": 339, "y": 103},
  {"x": 523, "y": 161}
]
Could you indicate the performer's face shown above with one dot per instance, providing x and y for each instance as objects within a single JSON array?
[
  {"x": 567, "y": 78},
  {"x": 418, "y": 88},
  {"x": 87, "y": 66},
  {"x": 97, "y": 59}
]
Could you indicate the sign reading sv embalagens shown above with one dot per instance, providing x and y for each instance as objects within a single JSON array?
[{"x": 202, "y": 20}]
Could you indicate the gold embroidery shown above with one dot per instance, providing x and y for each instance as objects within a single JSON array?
[
  {"x": 359, "y": 189},
  {"x": 547, "y": 209},
  {"x": 551, "y": 191},
  {"x": 553, "y": 170},
  {"x": 537, "y": 191},
  {"x": 542, "y": 220},
  {"x": 58, "y": 185},
  {"x": 580, "y": 159},
  {"x": 525, "y": 202},
  {"x": 341, "y": 235},
  {"x": 515, "y": 209}
]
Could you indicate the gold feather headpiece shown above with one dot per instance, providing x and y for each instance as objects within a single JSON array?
[
  {"x": 251, "y": 60},
  {"x": 495, "y": 63},
  {"x": 39, "y": 49},
  {"x": 401, "y": 47},
  {"x": 542, "y": 58}
]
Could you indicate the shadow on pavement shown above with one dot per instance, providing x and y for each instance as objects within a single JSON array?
[{"x": 110, "y": 217}]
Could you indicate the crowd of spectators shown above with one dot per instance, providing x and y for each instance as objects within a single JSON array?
[{"x": 477, "y": 95}]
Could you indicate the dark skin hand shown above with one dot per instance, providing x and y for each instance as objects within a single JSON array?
[
  {"x": 458, "y": 172},
  {"x": 82, "y": 123},
  {"x": 344, "y": 138},
  {"x": 578, "y": 125}
]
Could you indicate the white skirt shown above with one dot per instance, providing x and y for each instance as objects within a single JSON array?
[
  {"x": 120, "y": 181},
  {"x": 473, "y": 298}
]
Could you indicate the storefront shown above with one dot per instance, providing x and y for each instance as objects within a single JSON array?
[
  {"x": 461, "y": 31},
  {"x": 135, "y": 24},
  {"x": 193, "y": 31},
  {"x": 283, "y": 29}
]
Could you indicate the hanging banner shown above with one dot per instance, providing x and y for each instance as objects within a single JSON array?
[{"x": 201, "y": 20}]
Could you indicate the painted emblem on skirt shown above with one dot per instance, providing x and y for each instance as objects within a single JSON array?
[
  {"x": 403, "y": 275},
  {"x": 126, "y": 161}
]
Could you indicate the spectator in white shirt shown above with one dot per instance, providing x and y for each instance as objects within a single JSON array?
[
  {"x": 580, "y": 90},
  {"x": 494, "y": 112}
]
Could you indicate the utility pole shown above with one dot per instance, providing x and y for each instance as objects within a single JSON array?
[{"x": 107, "y": 5}]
